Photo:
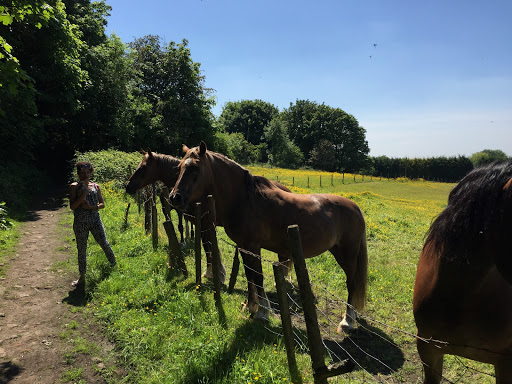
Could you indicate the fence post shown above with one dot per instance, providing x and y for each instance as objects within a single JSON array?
[
  {"x": 320, "y": 180},
  {"x": 125, "y": 224},
  {"x": 282, "y": 298},
  {"x": 147, "y": 211},
  {"x": 234, "y": 272},
  {"x": 332, "y": 182},
  {"x": 215, "y": 251},
  {"x": 307, "y": 298},
  {"x": 197, "y": 241},
  {"x": 176, "y": 259},
  {"x": 293, "y": 180},
  {"x": 308, "y": 181},
  {"x": 154, "y": 218},
  {"x": 316, "y": 347}
]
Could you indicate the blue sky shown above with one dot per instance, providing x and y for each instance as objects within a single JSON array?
[{"x": 438, "y": 82}]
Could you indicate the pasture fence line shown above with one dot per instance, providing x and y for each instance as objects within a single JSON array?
[{"x": 352, "y": 350}]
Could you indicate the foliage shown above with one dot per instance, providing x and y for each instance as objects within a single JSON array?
[
  {"x": 20, "y": 182},
  {"x": 234, "y": 146},
  {"x": 248, "y": 117},
  {"x": 5, "y": 221},
  {"x": 309, "y": 123},
  {"x": 449, "y": 169},
  {"x": 171, "y": 84},
  {"x": 487, "y": 156},
  {"x": 323, "y": 156},
  {"x": 109, "y": 165},
  {"x": 282, "y": 151}
]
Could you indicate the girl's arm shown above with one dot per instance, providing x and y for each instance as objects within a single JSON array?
[
  {"x": 74, "y": 200},
  {"x": 101, "y": 202}
]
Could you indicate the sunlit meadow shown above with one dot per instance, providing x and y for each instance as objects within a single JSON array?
[{"x": 168, "y": 329}]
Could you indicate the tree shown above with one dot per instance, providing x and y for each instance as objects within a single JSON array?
[
  {"x": 323, "y": 156},
  {"x": 171, "y": 84},
  {"x": 248, "y": 117},
  {"x": 487, "y": 156},
  {"x": 18, "y": 111},
  {"x": 282, "y": 151},
  {"x": 309, "y": 123}
]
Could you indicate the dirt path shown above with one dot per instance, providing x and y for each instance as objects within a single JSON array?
[{"x": 41, "y": 322}]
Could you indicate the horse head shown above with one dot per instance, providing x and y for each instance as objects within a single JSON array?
[
  {"x": 143, "y": 175},
  {"x": 193, "y": 178}
]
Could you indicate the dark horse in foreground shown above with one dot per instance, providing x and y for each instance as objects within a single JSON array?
[
  {"x": 256, "y": 214},
  {"x": 463, "y": 293}
]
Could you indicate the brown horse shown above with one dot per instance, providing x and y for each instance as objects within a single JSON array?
[
  {"x": 156, "y": 167},
  {"x": 256, "y": 214},
  {"x": 165, "y": 168},
  {"x": 463, "y": 294}
]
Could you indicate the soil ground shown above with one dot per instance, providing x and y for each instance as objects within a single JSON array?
[{"x": 44, "y": 335}]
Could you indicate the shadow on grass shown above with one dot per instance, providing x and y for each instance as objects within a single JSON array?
[
  {"x": 369, "y": 347},
  {"x": 81, "y": 294},
  {"x": 251, "y": 335}
]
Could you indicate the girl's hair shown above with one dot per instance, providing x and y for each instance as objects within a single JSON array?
[{"x": 84, "y": 164}]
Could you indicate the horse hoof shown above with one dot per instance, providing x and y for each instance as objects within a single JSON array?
[
  {"x": 344, "y": 327},
  {"x": 261, "y": 316}
]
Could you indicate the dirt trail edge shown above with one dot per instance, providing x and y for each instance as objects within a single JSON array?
[{"x": 44, "y": 336}]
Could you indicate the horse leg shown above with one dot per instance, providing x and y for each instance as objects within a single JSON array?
[
  {"x": 353, "y": 259},
  {"x": 503, "y": 373},
  {"x": 432, "y": 360},
  {"x": 257, "y": 301},
  {"x": 180, "y": 224}
]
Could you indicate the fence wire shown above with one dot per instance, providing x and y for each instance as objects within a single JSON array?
[{"x": 371, "y": 368}]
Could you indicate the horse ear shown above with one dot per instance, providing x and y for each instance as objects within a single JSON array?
[
  {"x": 150, "y": 153},
  {"x": 202, "y": 148},
  {"x": 507, "y": 186},
  {"x": 143, "y": 152},
  {"x": 185, "y": 148}
]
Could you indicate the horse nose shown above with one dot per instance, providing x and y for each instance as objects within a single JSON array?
[
  {"x": 129, "y": 189},
  {"x": 176, "y": 200}
]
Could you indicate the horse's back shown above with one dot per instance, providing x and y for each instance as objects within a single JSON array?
[{"x": 325, "y": 220}]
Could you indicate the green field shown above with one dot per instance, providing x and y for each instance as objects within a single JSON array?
[{"x": 168, "y": 330}]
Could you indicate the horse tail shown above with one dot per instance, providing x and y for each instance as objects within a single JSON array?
[{"x": 361, "y": 276}]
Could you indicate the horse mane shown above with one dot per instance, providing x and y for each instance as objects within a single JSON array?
[
  {"x": 478, "y": 210},
  {"x": 254, "y": 184},
  {"x": 167, "y": 160}
]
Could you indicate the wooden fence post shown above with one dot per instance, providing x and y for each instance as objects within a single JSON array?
[
  {"x": 198, "y": 242},
  {"x": 154, "y": 218},
  {"x": 316, "y": 347},
  {"x": 125, "y": 224},
  {"x": 282, "y": 298},
  {"x": 320, "y": 180},
  {"x": 176, "y": 259},
  {"x": 308, "y": 181},
  {"x": 147, "y": 211},
  {"x": 215, "y": 251}
]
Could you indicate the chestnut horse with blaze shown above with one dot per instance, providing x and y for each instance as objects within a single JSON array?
[
  {"x": 463, "y": 294},
  {"x": 256, "y": 214}
]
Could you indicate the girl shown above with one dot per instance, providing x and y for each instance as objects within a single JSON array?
[{"x": 85, "y": 200}]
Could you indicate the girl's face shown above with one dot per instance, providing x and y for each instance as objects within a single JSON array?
[{"x": 84, "y": 173}]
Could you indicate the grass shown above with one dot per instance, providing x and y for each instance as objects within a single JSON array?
[{"x": 168, "y": 330}]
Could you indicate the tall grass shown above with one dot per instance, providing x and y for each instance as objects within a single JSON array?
[{"x": 168, "y": 329}]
